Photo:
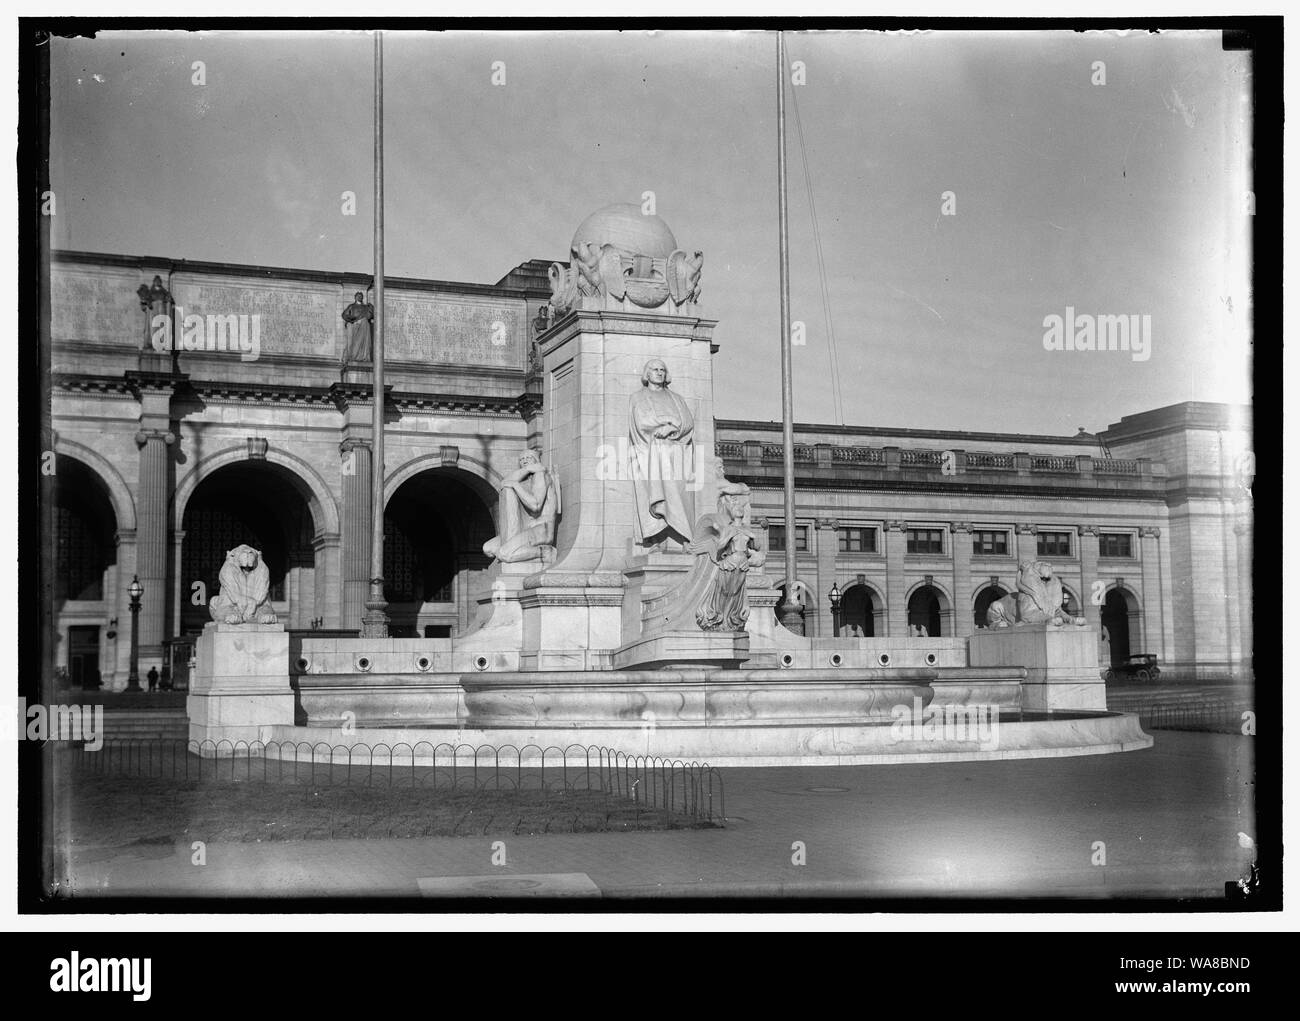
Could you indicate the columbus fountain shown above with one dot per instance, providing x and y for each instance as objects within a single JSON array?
[{"x": 629, "y": 604}]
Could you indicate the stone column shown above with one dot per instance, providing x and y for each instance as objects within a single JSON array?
[
  {"x": 292, "y": 595},
  {"x": 963, "y": 612},
  {"x": 120, "y": 603},
  {"x": 152, "y": 494},
  {"x": 355, "y": 546},
  {"x": 325, "y": 578},
  {"x": 1153, "y": 627},
  {"x": 895, "y": 579},
  {"x": 181, "y": 592},
  {"x": 828, "y": 547},
  {"x": 1245, "y": 563},
  {"x": 1089, "y": 551}
]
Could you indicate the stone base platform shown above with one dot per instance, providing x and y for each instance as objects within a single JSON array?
[
  {"x": 1043, "y": 735},
  {"x": 690, "y": 697},
  {"x": 1060, "y": 663},
  {"x": 674, "y": 697},
  {"x": 241, "y": 685}
]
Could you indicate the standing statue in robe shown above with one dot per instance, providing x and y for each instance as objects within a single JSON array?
[
  {"x": 662, "y": 458},
  {"x": 527, "y": 510},
  {"x": 359, "y": 317},
  {"x": 727, "y": 548}
]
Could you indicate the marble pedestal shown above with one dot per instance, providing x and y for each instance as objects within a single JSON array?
[
  {"x": 577, "y": 611},
  {"x": 240, "y": 685},
  {"x": 1061, "y": 670}
]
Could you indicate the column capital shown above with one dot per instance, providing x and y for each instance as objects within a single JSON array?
[
  {"x": 352, "y": 443},
  {"x": 1026, "y": 529},
  {"x": 828, "y": 523},
  {"x": 1090, "y": 530},
  {"x": 1238, "y": 528},
  {"x": 144, "y": 436},
  {"x": 1149, "y": 532},
  {"x": 961, "y": 526},
  {"x": 895, "y": 525}
]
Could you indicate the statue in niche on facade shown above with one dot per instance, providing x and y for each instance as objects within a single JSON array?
[
  {"x": 358, "y": 331},
  {"x": 527, "y": 511},
  {"x": 245, "y": 590},
  {"x": 1037, "y": 600},
  {"x": 662, "y": 457},
  {"x": 727, "y": 547},
  {"x": 155, "y": 300},
  {"x": 542, "y": 322}
]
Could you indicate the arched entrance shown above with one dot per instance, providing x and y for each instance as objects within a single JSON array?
[
  {"x": 1119, "y": 614},
  {"x": 926, "y": 608},
  {"x": 858, "y": 610},
  {"x": 85, "y": 555},
  {"x": 983, "y": 600},
  {"x": 264, "y": 506},
  {"x": 435, "y": 526}
]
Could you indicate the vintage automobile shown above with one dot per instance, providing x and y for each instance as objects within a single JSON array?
[{"x": 1141, "y": 666}]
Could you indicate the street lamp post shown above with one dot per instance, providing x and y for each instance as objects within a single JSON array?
[
  {"x": 136, "y": 590},
  {"x": 836, "y": 595}
]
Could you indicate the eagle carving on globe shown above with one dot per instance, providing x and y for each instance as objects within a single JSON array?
[{"x": 624, "y": 259}]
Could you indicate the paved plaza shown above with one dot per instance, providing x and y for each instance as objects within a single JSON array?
[{"x": 1171, "y": 819}]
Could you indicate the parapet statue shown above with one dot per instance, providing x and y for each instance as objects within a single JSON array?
[
  {"x": 245, "y": 590},
  {"x": 155, "y": 300},
  {"x": 359, "y": 317},
  {"x": 527, "y": 510},
  {"x": 662, "y": 456},
  {"x": 727, "y": 548},
  {"x": 1038, "y": 599}
]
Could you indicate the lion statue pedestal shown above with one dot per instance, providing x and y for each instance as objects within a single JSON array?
[
  {"x": 240, "y": 683},
  {"x": 1060, "y": 662}
]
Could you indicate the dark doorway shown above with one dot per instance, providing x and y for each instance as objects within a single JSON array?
[
  {"x": 925, "y": 610},
  {"x": 858, "y": 610},
  {"x": 1114, "y": 618},
  {"x": 85, "y": 533},
  {"x": 435, "y": 526},
  {"x": 83, "y": 657},
  {"x": 253, "y": 503},
  {"x": 983, "y": 601}
]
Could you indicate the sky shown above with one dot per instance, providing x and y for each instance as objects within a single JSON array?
[{"x": 967, "y": 187}]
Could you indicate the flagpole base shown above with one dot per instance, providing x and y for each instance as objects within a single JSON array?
[{"x": 374, "y": 622}]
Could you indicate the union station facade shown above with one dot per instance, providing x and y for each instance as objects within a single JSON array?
[{"x": 247, "y": 429}]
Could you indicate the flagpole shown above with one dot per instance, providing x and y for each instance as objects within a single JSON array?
[
  {"x": 375, "y": 622},
  {"x": 790, "y": 613}
]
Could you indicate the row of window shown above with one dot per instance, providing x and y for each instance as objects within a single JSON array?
[{"x": 984, "y": 542}]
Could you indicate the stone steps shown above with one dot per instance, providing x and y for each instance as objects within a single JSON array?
[
  {"x": 1138, "y": 699},
  {"x": 148, "y": 724}
]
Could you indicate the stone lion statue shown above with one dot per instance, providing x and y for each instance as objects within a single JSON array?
[
  {"x": 1037, "y": 600},
  {"x": 245, "y": 590}
]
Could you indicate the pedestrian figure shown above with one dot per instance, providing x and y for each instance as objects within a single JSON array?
[{"x": 153, "y": 678}]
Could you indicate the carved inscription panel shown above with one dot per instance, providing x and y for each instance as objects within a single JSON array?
[{"x": 98, "y": 305}]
